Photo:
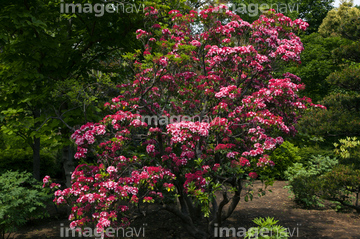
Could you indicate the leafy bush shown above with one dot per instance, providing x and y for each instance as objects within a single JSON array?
[
  {"x": 306, "y": 191},
  {"x": 283, "y": 157},
  {"x": 304, "y": 182},
  {"x": 342, "y": 185},
  {"x": 267, "y": 228},
  {"x": 21, "y": 198}
]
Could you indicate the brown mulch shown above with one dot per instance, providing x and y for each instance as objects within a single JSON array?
[{"x": 302, "y": 223}]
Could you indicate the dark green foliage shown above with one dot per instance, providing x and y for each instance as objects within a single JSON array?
[
  {"x": 252, "y": 9},
  {"x": 350, "y": 52},
  {"x": 349, "y": 78},
  {"x": 342, "y": 184},
  {"x": 342, "y": 117},
  {"x": 306, "y": 153},
  {"x": 52, "y": 63},
  {"x": 15, "y": 155},
  {"x": 323, "y": 179},
  {"x": 21, "y": 159},
  {"x": 21, "y": 199},
  {"x": 314, "y": 12},
  {"x": 317, "y": 64},
  {"x": 306, "y": 191},
  {"x": 351, "y": 29}
]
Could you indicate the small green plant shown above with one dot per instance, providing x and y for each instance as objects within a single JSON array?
[
  {"x": 21, "y": 198},
  {"x": 268, "y": 229}
]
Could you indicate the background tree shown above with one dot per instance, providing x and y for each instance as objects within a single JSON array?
[
  {"x": 317, "y": 63},
  {"x": 45, "y": 52},
  {"x": 313, "y": 12},
  {"x": 343, "y": 103},
  {"x": 331, "y": 24}
]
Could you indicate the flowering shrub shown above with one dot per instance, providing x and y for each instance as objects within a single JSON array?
[{"x": 214, "y": 71}]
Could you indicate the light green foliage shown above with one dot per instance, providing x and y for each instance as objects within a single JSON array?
[
  {"x": 267, "y": 228},
  {"x": 349, "y": 151},
  {"x": 21, "y": 199},
  {"x": 332, "y": 22},
  {"x": 348, "y": 147},
  {"x": 350, "y": 29}
]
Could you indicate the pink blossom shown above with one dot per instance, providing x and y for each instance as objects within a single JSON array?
[
  {"x": 150, "y": 148},
  {"x": 195, "y": 43},
  {"x": 253, "y": 175},
  {"x": 111, "y": 169},
  {"x": 46, "y": 179}
]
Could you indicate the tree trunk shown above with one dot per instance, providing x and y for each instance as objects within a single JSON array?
[
  {"x": 36, "y": 149},
  {"x": 68, "y": 163},
  {"x": 36, "y": 158}
]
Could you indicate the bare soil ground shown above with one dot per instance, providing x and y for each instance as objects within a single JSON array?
[{"x": 302, "y": 223}]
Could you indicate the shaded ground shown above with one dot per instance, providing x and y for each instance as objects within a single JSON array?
[{"x": 302, "y": 223}]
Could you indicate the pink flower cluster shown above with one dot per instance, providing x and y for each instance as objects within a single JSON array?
[
  {"x": 183, "y": 131},
  {"x": 197, "y": 179},
  {"x": 95, "y": 195}
]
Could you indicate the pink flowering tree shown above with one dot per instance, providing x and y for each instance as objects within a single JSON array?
[{"x": 201, "y": 116}]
